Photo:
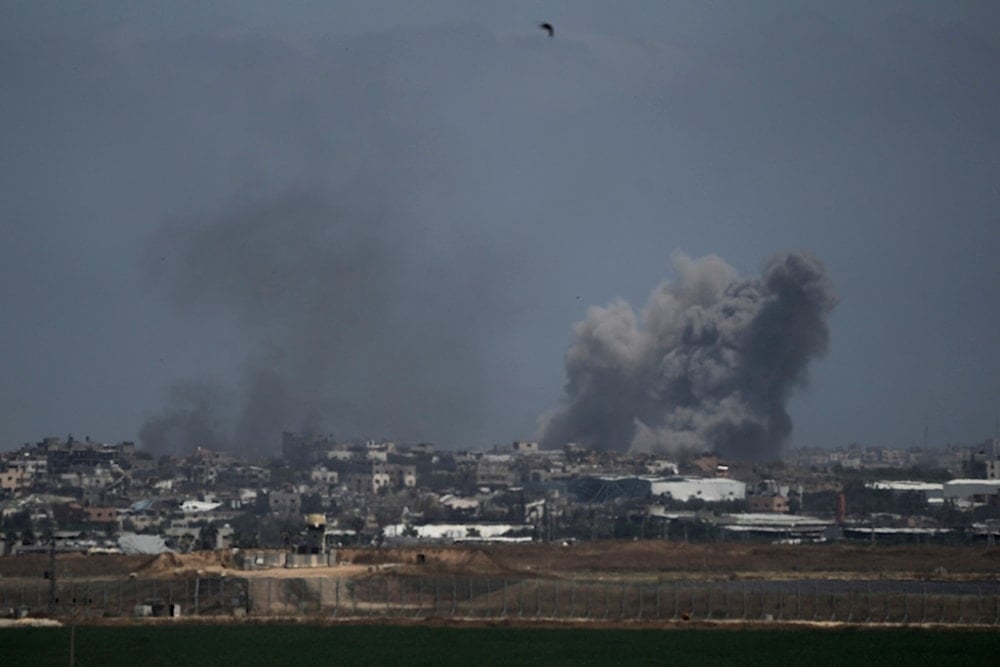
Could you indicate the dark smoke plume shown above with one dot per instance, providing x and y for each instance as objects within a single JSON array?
[
  {"x": 709, "y": 365},
  {"x": 360, "y": 321},
  {"x": 193, "y": 417}
]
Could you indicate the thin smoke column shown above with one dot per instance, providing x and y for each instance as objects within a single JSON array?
[
  {"x": 354, "y": 323},
  {"x": 708, "y": 365}
]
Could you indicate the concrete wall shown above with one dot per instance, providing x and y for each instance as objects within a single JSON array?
[
  {"x": 261, "y": 559},
  {"x": 310, "y": 560}
]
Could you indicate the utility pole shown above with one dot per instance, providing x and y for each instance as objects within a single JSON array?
[{"x": 52, "y": 574}]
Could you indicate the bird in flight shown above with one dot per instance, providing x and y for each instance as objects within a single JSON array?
[{"x": 547, "y": 27}]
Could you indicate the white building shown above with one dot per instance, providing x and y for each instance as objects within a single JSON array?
[
  {"x": 709, "y": 489},
  {"x": 932, "y": 491},
  {"x": 661, "y": 467},
  {"x": 972, "y": 490},
  {"x": 323, "y": 475},
  {"x": 525, "y": 447},
  {"x": 462, "y": 532}
]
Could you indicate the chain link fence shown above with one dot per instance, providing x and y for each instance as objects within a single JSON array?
[
  {"x": 125, "y": 597},
  {"x": 386, "y": 595},
  {"x": 880, "y": 601}
]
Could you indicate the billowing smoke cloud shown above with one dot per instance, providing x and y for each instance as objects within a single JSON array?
[
  {"x": 709, "y": 364},
  {"x": 359, "y": 322}
]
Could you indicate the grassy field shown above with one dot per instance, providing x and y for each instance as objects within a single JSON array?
[{"x": 272, "y": 645}]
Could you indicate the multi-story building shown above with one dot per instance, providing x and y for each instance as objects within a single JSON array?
[
  {"x": 495, "y": 470},
  {"x": 100, "y": 515},
  {"x": 767, "y": 503},
  {"x": 992, "y": 449},
  {"x": 525, "y": 447},
  {"x": 12, "y": 480},
  {"x": 285, "y": 503}
]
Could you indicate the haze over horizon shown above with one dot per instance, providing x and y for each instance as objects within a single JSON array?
[{"x": 373, "y": 219}]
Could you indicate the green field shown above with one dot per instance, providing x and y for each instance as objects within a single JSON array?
[{"x": 249, "y": 645}]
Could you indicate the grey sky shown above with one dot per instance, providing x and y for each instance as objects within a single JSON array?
[{"x": 499, "y": 182}]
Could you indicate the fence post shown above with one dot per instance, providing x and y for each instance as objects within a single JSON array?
[
  {"x": 624, "y": 593},
  {"x": 638, "y": 590},
  {"x": 538, "y": 598},
  {"x": 607, "y": 599},
  {"x": 197, "y": 590},
  {"x": 868, "y": 618},
  {"x": 454, "y": 595},
  {"x": 677, "y": 602},
  {"x": 471, "y": 612},
  {"x": 489, "y": 599},
  {"x": 815, "y": 600},
  {"x": 746, "y": 608},
  {"x": 886, "y": 619},
  {"x": 401, "y": 586},
  {"x": 420, "y": 596},
  {"x": 572, "y": 597},
  {"x": 503, "y": 612},
  {"x": 708, "y": 598},
  {"x": 798, "y": 600},
  {"x": 520, "y": 598},
  {"x": 336, "y": 597},
  {"x": 371, "y": 597},
  {"x": 923, "y": 608},
  {"x": 555, "y": 599},
  {"x": 763, "y": 601},
  {"x": 781, "y": 602},
  {"x": 996, "y": 599}
]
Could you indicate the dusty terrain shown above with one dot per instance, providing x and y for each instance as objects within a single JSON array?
[
  {"x": 688, "y": 561},
  {"x": 661, "y": 560}
]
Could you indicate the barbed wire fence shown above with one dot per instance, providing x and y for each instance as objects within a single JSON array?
[
  {"x": 133, "y": 596},
  {"x": 386, "y": 595}
]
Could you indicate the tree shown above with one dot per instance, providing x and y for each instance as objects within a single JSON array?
[
  {"x": 207, "y": 537},
  {"x": 245, "y": 530},
  {"x": 312, "y": 504},
  {"x": 19, "y": 521}
]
